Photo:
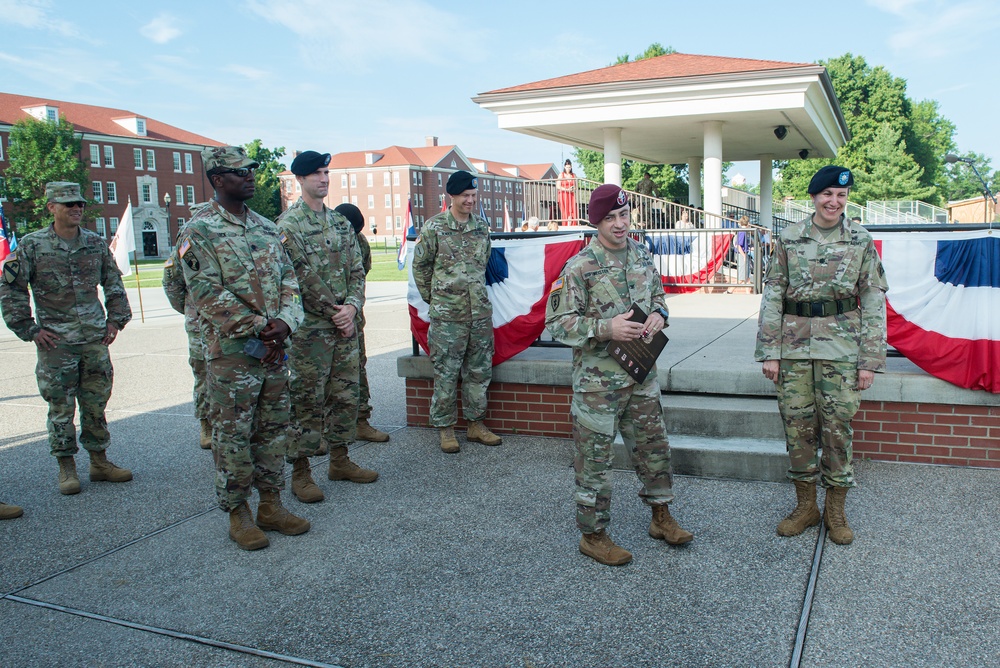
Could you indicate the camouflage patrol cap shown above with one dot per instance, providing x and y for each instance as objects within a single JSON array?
[
  {"x": 63, "y": 192},
  {"x": 226, "y": 157}
]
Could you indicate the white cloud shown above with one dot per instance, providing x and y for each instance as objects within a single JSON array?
[
  {"x": 929, "y": 29},
  {"x": 161, "y": 30},
  {"x": 49, "y": 67},
  {"x": 33, "y": 14},
  {"x": 251, "y": 73}
]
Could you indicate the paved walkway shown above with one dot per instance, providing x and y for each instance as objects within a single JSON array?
[{"x": 465, "y": 560}]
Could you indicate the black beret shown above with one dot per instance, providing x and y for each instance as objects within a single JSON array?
[
  {"x": 459, "y": 182},
  {"x": 604, "y": 200},
  {"x": 830, "y": 176},
  {"x": 307, "y": 162},
  {"x": 353, "y": 214}
]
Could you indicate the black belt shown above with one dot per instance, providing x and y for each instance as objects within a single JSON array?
[{"x": 820, "y": 309}]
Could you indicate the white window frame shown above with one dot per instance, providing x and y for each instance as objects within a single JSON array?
[
  {"x": 112, "y": 225},
  {"x": 146, "y": 193},
  {"x": 95, "y": 155},
  {"x": 137, "y": 157},
  {"x": 177, "y": 161},
  {"x": 109, "y": 156},
  {"x": 179, "y": 192},
  {"x": 395, "y": 178},
  {"x": 370, "y": 179},
  {"x": 190, "y": 195},
  {"x": 343, "y": 180},
  {"x": 371, "y": 201},
  {"x": 398, "y": 205},
  {"x": 388, "y": 201},
  {"x": 354, "y": 180},
  {"x": 97, "y": 190},
  {"x": 150, "y": 160},
  {"x": 112, "y": 190},
  {"x": 385, "y": 178},
  {"x": 101, "y": 229},
  {"x": 188, "y": 164}
]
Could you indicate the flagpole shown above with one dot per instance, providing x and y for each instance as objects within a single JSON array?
[{"x": 142, "y": 314}]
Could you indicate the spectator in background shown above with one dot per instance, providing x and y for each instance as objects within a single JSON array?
[{"x": 566, "y": 186}]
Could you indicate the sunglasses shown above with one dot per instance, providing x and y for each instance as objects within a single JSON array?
[
  {"x": 71, "y": 205},
  {"x": 242, "y": 172}
]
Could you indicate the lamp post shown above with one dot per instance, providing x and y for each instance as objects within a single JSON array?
[
  {"x": 166, "y": 201},
  {"x": 951, "y": 158}
]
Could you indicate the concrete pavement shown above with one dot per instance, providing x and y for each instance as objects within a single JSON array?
[{"x": 469, "y": 559}]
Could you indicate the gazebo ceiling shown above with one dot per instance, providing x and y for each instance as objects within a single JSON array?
[{"x": 661, "y": 104}]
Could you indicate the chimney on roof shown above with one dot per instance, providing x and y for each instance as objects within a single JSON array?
[{"x": 430, "y": 140}]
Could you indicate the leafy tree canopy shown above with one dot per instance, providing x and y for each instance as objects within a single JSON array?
[
  {"x": 40, "y": 152},
  {"x": 267, "y": 198},
  {"x": 894, "y": 173}
]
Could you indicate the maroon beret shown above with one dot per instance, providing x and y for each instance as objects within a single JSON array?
[{"x": 604, "y": 200}]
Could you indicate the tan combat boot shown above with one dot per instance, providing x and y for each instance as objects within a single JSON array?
[
  {"x": 665, "y": 527},
  {"x": 69, "y": 482},
  {"x": 303, "y": 486},
  {"x": 342, "y": 468},
  {"x": 449, "y": 443},
  {"x": 366, "y": 432},
  {"x": 806, "y": 512},
  {"x": 833, "y": 514},
  {"x": 206, "y": 435},
  {"x": 101, "y": 469},
  {"x": 273, "y": 516},
  {"x": 599, "y": 547},
  {"x": 9, "y": 512},
  {"x": 480, "y": 434},
  {"x": 244, "y": 531}
]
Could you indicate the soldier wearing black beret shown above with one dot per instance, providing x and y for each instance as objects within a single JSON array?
[
  {"x": 307, "y": 162},
  {"x": 821, "y": 339}
]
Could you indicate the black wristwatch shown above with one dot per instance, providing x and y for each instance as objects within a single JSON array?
[{"x": 663, "y": 314}]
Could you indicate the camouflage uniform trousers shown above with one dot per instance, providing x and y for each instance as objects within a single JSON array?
[
  {"x": 365, "y": 402},
  {"x": 72, "y": 374},
  {"x": 249, "y": 410},
  {"x": 324, "y": 391},
  {"x": 460, "y": 349},
  {"x": 196, "y": 358},
  {"x": 597, "y": 417},
  {"x": 817, "y": 400}
]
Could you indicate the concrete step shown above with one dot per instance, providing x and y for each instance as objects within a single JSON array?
[
  {"x": 722, "y": 416},
  {"x": 735, "y": 458}
]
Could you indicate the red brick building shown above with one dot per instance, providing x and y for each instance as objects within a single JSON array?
[
  {"x": 130, "y": 157},
  {"x": 382, "y": 183}
]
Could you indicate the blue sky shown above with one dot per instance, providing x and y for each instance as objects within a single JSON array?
[{"x": 341, "y": 76}]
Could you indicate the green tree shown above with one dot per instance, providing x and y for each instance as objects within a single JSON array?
[
  {"x": 960, "y": 182},
  {"x": 267, "y": 198},
  {"x": 40, "y": 152},
  {"x": 670, "y": 180},
  {"x": 894, "y": 172}
]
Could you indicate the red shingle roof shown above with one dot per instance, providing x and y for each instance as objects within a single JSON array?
[
  {"x": 670, "y": 66},
  {"x": 97, "y": 120}
]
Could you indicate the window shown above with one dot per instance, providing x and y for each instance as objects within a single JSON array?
[
  {"x": 439, "y": 180},
  {"x": 415, "y": 178},
  {"x": 486, "y": 186},
  {"x": 95, "y": 155},
  {"x": 399, "y": 222},
  {"x": 371, "y": 222},
  {"x": 180, "y": 224},
  {"x": 343, "y": 180},
  {"x": 343, "y": 200},
  {"x": 354, "y": 200},
  {"x": 150, "y": 159},
  {"x": 370, "y": 179},
  {"x": 112, "y": 192},
  {"x": 388, "y": 223},
  {"x": 50, "y": 114},
  {"x": 137, "y": 157},
  {"x": 179, "y": 190},
  {"x": 109, "y": 156},
  {"x": 385, "y": 179},
  {"x": 100, "y": 227},
  {"x": 177, "y": 161},
  {"x": 420, "y": 201},
  {"x": 190, "y": 194},
  {"x": 140, "y": 127},
  {"x": 98, "y": 193},
  {"x": 371, "y": 201},
  {"x": 112, "y": 225},
  {"x": 388, "y": 200},
  {"x": 354, "y": 180},
  {"x": 147, "y": 193},
  {"x": 187, "y": 163},
  {"x": 397, "y": 200},
  {"x": 395, "y": 178},
  {"x": 420, "y": 178}
]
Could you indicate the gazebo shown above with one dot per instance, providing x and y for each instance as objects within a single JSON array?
[{"x": 683, "y": 108}]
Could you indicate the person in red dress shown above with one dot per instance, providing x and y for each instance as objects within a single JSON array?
[{"x": 566, "y": 185}]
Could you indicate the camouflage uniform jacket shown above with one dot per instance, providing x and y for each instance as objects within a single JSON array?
[
  {"x": 646, "y": 187},
  {"x": 587, "y": 296},
  {"x": 449, "y": 267},
  {"x": 64, "y": 280},
  {"x": 239, "y": 277},
  {"x": 366, "y": 252},
  {"x": 324, "y": 251},
  {"x": 176, "y": 290},
  {"x": 806, "y": 267}
]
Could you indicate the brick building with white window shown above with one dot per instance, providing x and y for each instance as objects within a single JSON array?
[
  {"x": 381, "y": 183},
  {"x": 129, "y": 156}
]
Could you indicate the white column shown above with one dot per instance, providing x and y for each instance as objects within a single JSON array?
[
  {"x": 766, "y": 189},
  {"x": 694, "y": 181},
  {"x": 613, "y": 156},
  {"x": 713, "y": 167}
]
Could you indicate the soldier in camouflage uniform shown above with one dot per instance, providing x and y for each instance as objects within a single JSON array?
[
  {"x": 590, "y": 305},
  {"x": 822, "y": 339},
  {"x": 176, "y": 290},
  {"x": 449, "y": 269},
  {"x": 63, "y": 264},
  {"x": 244, "y": 288},
  {"x": 324, "y": 355},
  {"x": 366, "y": 432}
]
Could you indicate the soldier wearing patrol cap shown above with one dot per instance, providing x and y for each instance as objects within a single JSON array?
[
  {"x": 63, "y": 265},
  {"x": 590, "y": 305},
  {"x": 821, "y": 338},
  {"x": 449, "y": 270},
  {"x": 324, "y": 357},
  {"x": 244, "y": 288}
]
